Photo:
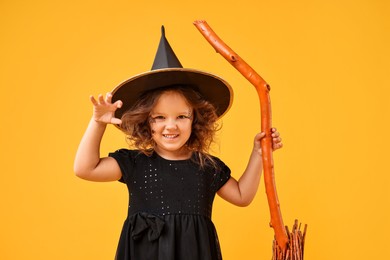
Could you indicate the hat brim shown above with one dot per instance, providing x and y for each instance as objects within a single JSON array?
[{"x": 213, "y": 88}]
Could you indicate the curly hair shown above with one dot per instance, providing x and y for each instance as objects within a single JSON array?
[{"x": 136, "y": 122}]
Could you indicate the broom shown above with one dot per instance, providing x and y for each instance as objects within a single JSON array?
[{"x": 286, "y": 245}]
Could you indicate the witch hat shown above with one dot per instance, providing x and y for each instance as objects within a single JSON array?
[
  {"x": 165, "y": 56},
  {"x": 167, "y": 71}
]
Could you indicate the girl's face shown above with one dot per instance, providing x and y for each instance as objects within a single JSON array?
[{"x": 171, "y": 124}]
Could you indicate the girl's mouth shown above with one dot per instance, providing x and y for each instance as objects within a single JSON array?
[{"x": 170, "y": 136}]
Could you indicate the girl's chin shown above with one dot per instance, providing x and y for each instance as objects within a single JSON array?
[{"x": 171, "y": 150}]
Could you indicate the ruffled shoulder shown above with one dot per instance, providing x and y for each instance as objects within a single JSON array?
[
  {"x": 221, "y": 173},
  {"x": 125, "y": 159}
]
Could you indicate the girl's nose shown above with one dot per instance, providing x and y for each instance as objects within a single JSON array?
[{"x": 171, "y": 124}]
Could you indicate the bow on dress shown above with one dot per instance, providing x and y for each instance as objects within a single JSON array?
[{"x": 144, "y": 223}]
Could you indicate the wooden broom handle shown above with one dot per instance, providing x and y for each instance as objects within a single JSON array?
[{"x": 262, "y": 89}]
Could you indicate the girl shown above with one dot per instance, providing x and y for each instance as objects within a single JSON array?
[{"x": 171, "y": 177}]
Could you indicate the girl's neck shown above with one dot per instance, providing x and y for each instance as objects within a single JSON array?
[{"x": 182, "y": 154}]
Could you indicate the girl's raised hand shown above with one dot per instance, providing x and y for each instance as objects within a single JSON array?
[{"x": 104, "y": 109}]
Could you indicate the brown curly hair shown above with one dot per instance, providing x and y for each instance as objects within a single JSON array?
[{"x": 136, "y": 122}]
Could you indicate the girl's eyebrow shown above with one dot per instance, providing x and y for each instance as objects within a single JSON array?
[
  {"x": 188, "y": 112},
  {"x": 156, "y": 113}
]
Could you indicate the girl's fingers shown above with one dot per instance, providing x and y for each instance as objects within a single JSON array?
[
  {"x": 101, "y": 99},
  {"x": 116, "y": 121},
  {"x": 93, "y": 100},
  {"x": 260, "y": 136},
  {"x": 108, "y": 97},
  {"x": 118, "y": 104},
  {"x": 278, "y": 146},
  {"x": 277, "y": 139},
  {"x": 277, "y": 143}
]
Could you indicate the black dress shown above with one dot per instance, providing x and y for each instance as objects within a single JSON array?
[{"x": 169, "y": 215}]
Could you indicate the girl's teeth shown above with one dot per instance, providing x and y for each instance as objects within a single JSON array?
[{"x": 170, "y": 136}]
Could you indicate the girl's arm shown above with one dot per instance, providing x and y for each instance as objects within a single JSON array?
[
  {"x": 88, "y": 165},
  {"x": 242, "y": 192}
]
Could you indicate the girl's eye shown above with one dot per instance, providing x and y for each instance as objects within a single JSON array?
[
  {"x": 157, "y": 119},
  {"x": 183, "y": 117}
]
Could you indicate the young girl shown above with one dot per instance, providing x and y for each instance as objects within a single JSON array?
[{"x": 171, "y": 177}]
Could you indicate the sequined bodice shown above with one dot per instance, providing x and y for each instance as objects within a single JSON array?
[
  {"x": 171, "y": 187},
  {"x": 162, "y": 187}
]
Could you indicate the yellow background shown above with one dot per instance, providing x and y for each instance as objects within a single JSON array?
[{"x": 326, "y": 61}]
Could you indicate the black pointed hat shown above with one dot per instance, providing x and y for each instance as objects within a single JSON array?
[{"x": 167, "y": 71}]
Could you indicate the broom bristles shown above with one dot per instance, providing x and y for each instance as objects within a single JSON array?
[{"x": 295, "y": 245}]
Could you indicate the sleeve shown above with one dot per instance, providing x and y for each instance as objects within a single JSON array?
[
  {"x": 222, "y": 174},
  {"x": 125, "y": 160}
]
